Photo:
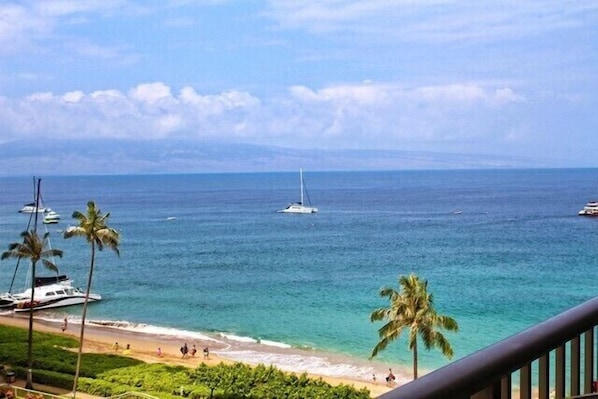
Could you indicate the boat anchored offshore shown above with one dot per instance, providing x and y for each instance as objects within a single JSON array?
[
  {"x": 51, "y": 217},
  {"x": 32, "y": 208},
  {"x": 50, "y": 296},
  {"x": 300, "y": 207},
  {"x": 591, "y": 209}
]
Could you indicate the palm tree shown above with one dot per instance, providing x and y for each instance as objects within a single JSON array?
[
  {"x": 412, "y": 309},
  {"x": 35, "y": 249},
  {"x": 92, "y": 226}
]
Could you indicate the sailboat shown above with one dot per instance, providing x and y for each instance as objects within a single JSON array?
[
  {"x": 300, "y": 207},
  {"x": 50, "y": 291}
]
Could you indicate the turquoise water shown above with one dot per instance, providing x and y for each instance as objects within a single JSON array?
[{"x": 230, "y": 268}]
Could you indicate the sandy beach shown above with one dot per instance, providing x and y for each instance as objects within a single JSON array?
[{"x": 144, "y": 347}]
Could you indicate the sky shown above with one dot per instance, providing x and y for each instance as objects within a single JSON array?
[{"x": 490, "y": 77}]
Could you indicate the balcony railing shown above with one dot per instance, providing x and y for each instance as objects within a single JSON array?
[{"x": 553, "y": 359}]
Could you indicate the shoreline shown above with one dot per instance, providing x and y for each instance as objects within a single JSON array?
[{"x": 144, "y": 346}]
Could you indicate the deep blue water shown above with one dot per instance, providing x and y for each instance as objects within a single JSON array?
[{"x": 515, "y": 255}]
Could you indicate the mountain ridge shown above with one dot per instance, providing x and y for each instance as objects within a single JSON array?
[{"x": 126, "y": 156}]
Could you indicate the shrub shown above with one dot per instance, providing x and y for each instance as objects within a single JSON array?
[{"x": 110, "y": 374}]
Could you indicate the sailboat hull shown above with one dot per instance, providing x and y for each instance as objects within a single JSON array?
[{"x": 298, "y": 208}]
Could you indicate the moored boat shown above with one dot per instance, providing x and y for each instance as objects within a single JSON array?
[
  {"x": 52, "y": 296},
  {"x": 590, "y": 209},
  {"x": 7, "y": 301},
  {"x": 32, "y": 208},
  {"x": 300, "y": 207},
  {"x": 51, "y": 217}
]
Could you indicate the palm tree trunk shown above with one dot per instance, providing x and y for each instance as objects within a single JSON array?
[
  {"x": 83, "y": 319},
  {"x": 29, "y": 383},
  {"x": 415, "y": 360}
]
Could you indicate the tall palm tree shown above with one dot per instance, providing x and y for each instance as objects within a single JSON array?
[
  {"x": 35, "y": 249},
  {"x": 412, "y": 309},
  {"x": 92, "y": 226}
]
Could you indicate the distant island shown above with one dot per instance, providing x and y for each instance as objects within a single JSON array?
[{"x": 114, "y": 156}]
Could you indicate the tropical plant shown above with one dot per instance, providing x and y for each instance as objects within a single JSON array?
[
  {"x": 412, "y": 309},
  {"x": 35, "y": 249},
  {"x": 105, "y": 374},
  {"x": 92, "y": 226}
]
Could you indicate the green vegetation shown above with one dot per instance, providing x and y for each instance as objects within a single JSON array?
[
  {"x": 109, "y": 374},
  {"x": 412, "y": 309},
  {"x": 92, "y": 226},
  {"x": 35, "y": 249},
  {"x": 54, "y": 358}
]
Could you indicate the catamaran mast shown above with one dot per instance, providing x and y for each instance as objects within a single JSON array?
[
  {"x": 36, "y": 200},
  {"x": 301, "y": 185}
]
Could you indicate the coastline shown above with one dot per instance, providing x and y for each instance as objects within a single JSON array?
[{"x": 143, "y": 346}]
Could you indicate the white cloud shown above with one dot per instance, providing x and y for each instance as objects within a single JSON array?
[
  {"x": 73, "y": 96},
  {"x": 363, "y": 94},
  {"x": 30, "y": 27},
  {"x": 430, "y": 20},
  {"x": 19, "y": 28},
  {"x": 452, "y": 93},
  {"x": 169, "y": 123},
  {"x": 151, "y": 93},
  {"x": 506, "y": 95},
  {"x": 106, "y": 94},
  {"x": 57, "y": 8},
  {"x": 217, "y": 104},
  {"x": 366, "y": 115},
  {"x": 42, "y": 97}
]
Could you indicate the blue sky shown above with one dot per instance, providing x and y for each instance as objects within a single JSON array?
[{"x": 506, "y": 78}]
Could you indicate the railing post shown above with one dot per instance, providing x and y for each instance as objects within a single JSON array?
[
  {"x": 588, "y": 371},
  {"x": 544, "y": 377},
  {"x": 560, "y": 372},
  {"x": 525, "y": 383},
  {"x": 575, "y": 362},
  {"x": 505, "y": 387}
]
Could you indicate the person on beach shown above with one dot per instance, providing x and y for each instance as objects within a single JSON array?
[
  {"x": 206, "y": 353},
  {"x": 374, "y": 378},
  {"x": 115, "y": 347},
  {"x": 390, "y": 379},
  {"x": 64, "y": 325},
  {"x": 184, "y": 350},
  {"x": 159, "y": 352},
  {"x": 193, "y": 351},
  {"x": 127, "y": 351}
]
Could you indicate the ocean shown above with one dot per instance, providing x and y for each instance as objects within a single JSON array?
[{"x": 207, "y": 256}]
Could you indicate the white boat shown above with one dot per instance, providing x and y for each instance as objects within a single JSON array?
[
  {"x": 300, "y": 207},
  {"x": 51, "y": 217},
  {"x": 51, "y": 296},
  {"x": 7, "y": 301},
  {"x": 591, "y": 209},
  {"x": 31, "y": 208}
]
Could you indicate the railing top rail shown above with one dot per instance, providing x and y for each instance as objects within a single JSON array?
[{"x": 480, "y": 369}]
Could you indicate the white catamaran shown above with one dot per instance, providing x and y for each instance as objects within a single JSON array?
[{"x": 300, "y": 207}]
